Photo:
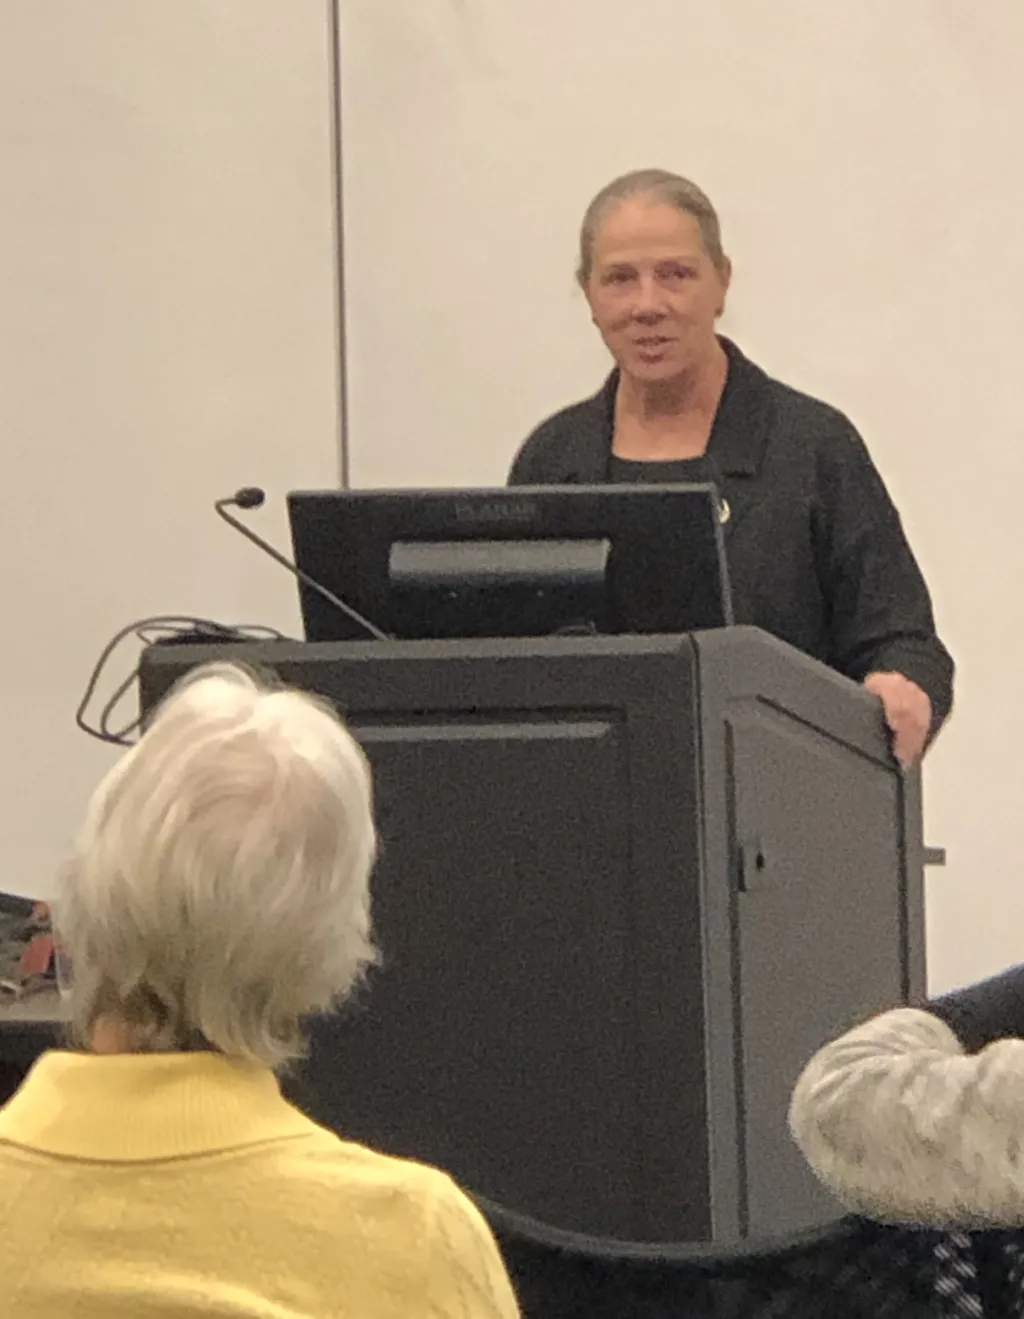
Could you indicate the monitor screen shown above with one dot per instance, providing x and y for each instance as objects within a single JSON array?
[{"x": 519, "y": 562}]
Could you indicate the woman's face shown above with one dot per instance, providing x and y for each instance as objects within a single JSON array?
[{"x": 654, "y": 292}]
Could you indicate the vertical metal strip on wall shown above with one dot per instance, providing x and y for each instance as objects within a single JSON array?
[{"x": 334, "y": 37}]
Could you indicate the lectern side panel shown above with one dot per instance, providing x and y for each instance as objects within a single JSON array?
[
  {"x": 817, "y": 842},
  {"x": 500, "y": 1039}
]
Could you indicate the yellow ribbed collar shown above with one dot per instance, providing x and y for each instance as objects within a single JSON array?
[{"x": 137, "y": 1107}]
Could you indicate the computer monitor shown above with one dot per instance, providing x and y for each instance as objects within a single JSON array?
[{"x": 525, "y": 561}]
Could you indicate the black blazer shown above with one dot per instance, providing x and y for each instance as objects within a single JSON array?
[
  {"x": 816, "y": 551},
  {"x": 982, "y": 1013}
]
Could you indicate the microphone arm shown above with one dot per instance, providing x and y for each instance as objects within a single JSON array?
[{"x": 253, "y": 497}]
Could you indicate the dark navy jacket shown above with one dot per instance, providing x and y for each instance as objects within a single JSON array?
[{"x": 816, "y": 551}]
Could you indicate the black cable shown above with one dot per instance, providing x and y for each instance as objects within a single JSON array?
[
  {"x": 107, "y": 713},
  {"x": 105, "y": 654},
  {"x": 123, "y": 737},
  {"x": 221, "y": 633},
  {"x": 248, "y": 631},
  {"x": 120, "y": 736},
  {"x": 168, "y": 625}
]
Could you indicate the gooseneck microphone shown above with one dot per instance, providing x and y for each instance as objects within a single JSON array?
[{"x": 252, "y": 496}]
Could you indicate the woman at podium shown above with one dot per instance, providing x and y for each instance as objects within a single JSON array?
[{"x": 817, "y": 554}]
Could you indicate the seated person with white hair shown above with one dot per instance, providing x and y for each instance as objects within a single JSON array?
[
  {"x": 917, "y": 1116},
  {"x": 219, "y": 893}
]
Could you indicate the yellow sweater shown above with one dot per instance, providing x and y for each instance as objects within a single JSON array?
[{"x": 159, "y": 1186}]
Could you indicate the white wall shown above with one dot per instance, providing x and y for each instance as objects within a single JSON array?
[
  {"x": 865, "y": 159},
  {"x": 167, "y": 333}
]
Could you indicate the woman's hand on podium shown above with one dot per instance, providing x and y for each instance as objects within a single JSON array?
[{"x": 908, "y": 712}]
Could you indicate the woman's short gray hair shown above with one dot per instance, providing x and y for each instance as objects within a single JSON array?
[
  {"x": 662, "y": 186},
  {"x": 219, "y": 888}
]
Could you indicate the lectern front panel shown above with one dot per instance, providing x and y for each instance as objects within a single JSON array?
[{"x": 536, "y": 1027}]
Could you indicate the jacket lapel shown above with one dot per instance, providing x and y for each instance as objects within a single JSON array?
[
  {"x": 739, "y": 434},
  {"x": 586, "y": 456}
]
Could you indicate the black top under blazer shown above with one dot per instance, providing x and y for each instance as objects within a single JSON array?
[{"x": 816, "y": 551}]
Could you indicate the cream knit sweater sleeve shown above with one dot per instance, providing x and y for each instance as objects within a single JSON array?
[{"x": 902, "y": 1126}]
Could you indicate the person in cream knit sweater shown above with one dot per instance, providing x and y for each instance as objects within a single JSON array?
[
  {"x": 917, "y": 1116},
  {"x": 218, "y": 893}
]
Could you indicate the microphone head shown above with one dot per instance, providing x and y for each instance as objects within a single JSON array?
[{"x": 250, "y": 496}]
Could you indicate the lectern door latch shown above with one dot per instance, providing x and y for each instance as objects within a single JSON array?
[{"x": 753, "y": 864}]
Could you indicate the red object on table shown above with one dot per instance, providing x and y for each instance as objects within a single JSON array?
[{"x": 37, "y": 958}]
